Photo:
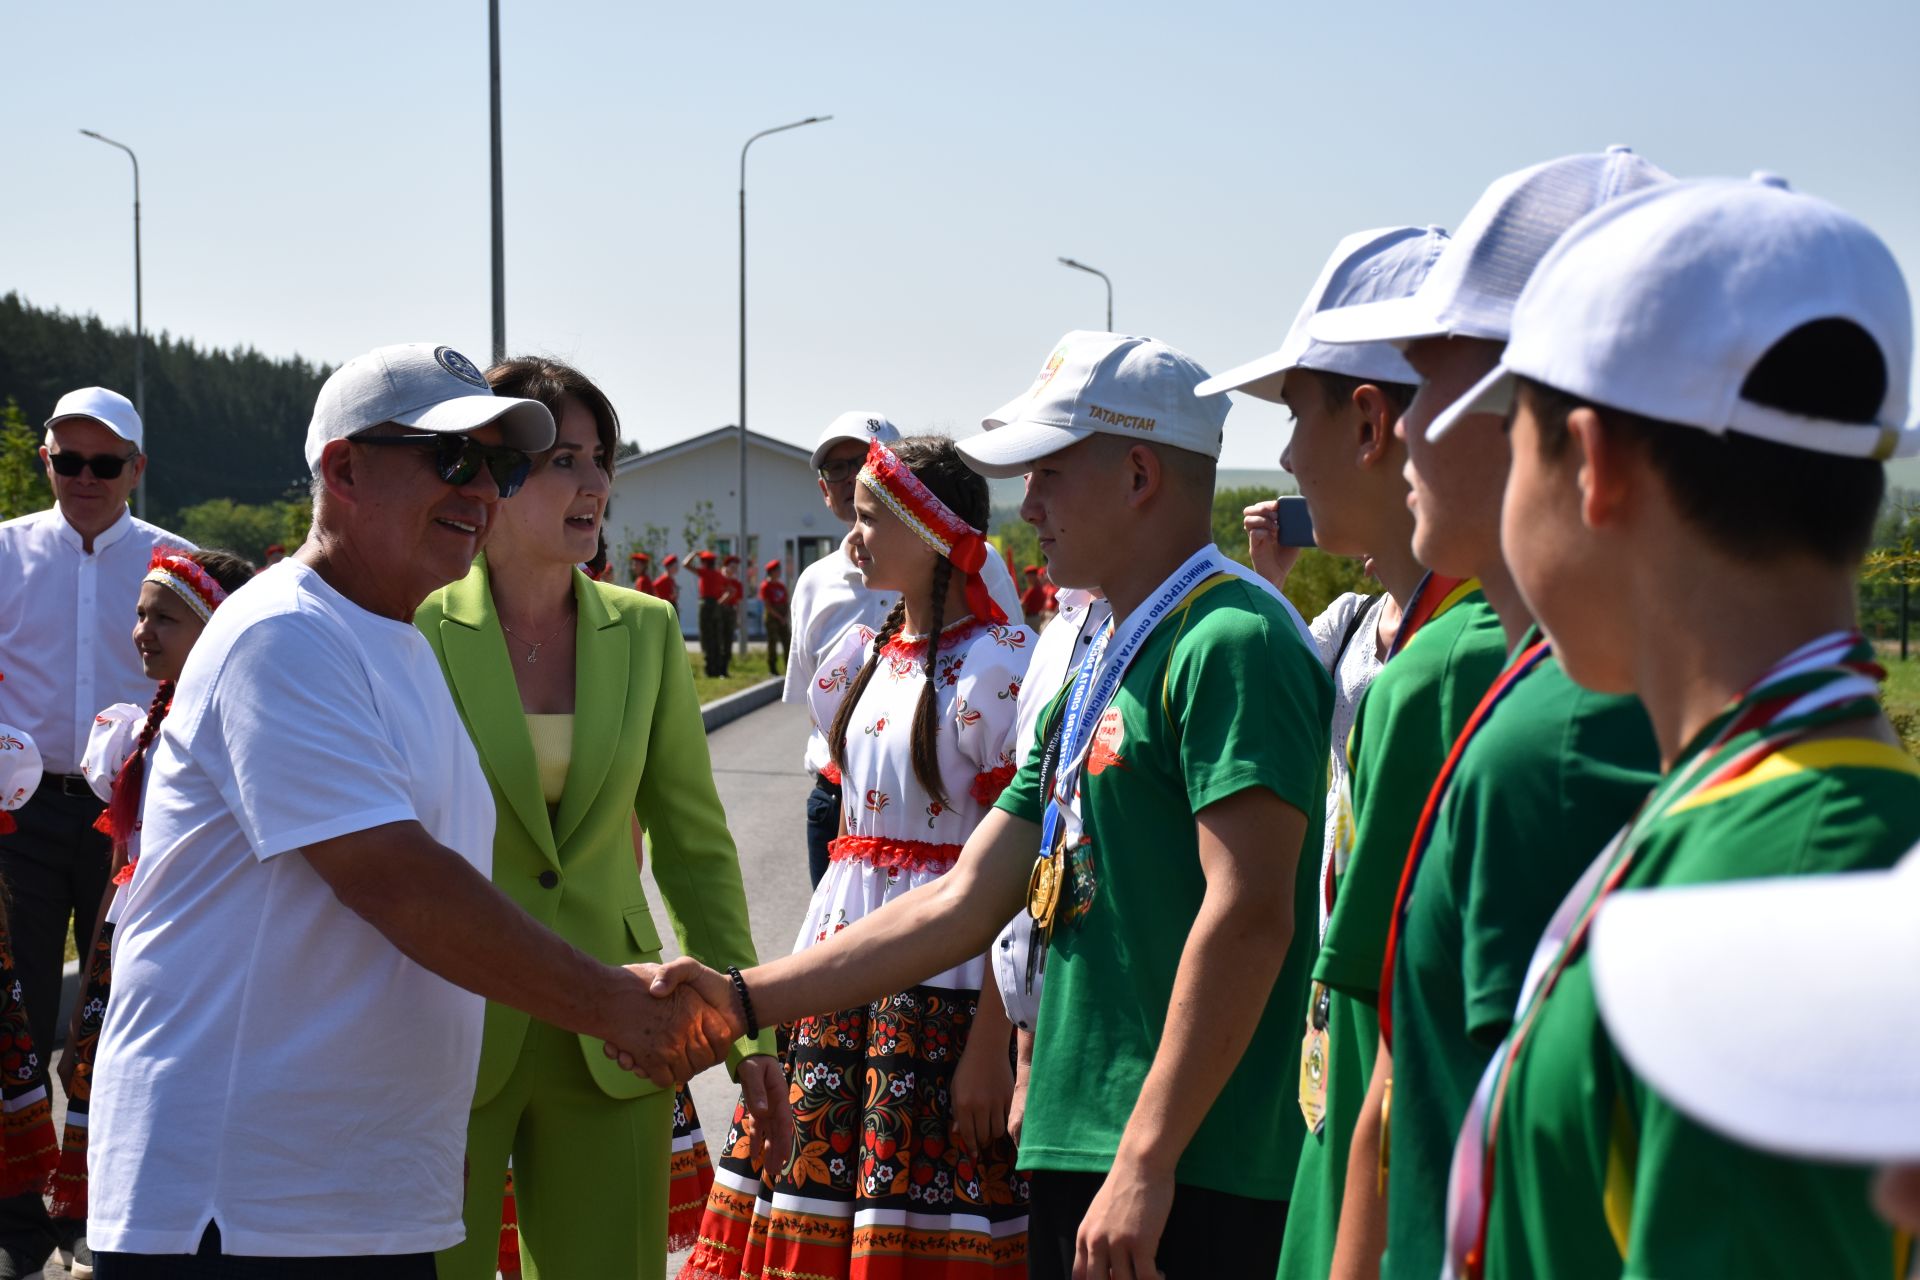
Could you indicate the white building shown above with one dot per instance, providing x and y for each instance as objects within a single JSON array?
[{"x": 687, "y": 496}]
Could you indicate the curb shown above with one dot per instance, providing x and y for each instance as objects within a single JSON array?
[
  {"x": 714, "y": 714},
  {"x": 730, "y": 708}
]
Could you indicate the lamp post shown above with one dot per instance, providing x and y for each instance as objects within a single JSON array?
[
  {"x": 499, "y": 242},
  {"x": 139, "y": 319},
  {"x": 740, "y": 548},
  {"x": 1081, "y": 266}
]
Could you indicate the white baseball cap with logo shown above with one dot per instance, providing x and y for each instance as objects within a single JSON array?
[
  {"x": 857, "y": 425},
  {"x": 424, "y": 387},
  {"x": 1661, "y": 305},
  {"x": 1101, "y": 383},
  {"x": 1780, "y": 1012},
  {"x": 1472, "y": 288},
  {"x": 1366, "y": 267},
  {"x": 108, "y": 408}
]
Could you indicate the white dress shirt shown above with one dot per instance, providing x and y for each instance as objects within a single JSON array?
[{"x": 66, "y": 626}]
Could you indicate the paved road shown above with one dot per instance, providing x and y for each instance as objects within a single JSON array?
[{"x": 756, "y": 762}]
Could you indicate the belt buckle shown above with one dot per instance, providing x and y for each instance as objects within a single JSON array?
[{"x": 75, "y": 785}]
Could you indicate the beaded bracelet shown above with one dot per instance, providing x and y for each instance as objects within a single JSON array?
[{"x": 746, "y": 1001}]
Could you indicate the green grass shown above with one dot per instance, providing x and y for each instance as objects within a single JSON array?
[
  {"x": 1903, "y": 695},
  {"x": 747, "y": 671}
]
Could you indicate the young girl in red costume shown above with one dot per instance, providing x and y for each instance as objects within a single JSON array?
[
  {"x": 177, "y": 597},
  {"x": 901, "y": 1168}
]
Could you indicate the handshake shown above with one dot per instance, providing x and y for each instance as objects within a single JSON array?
[{"x": 673, "y": 1021}]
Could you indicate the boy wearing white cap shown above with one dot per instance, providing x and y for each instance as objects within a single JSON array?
[
  {"x": 1164, "y": 835},
  {"x": 1436, "y": 928},
  {"x": 1708, "y": 374},
  {"x": 1345, "y": 400},
  {"x": 66, "y": 605}
]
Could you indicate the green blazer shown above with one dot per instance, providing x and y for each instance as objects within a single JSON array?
[{"x": 638, "y": 748}]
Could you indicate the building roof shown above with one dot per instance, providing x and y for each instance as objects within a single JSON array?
[{"x": 719, "y": 435}]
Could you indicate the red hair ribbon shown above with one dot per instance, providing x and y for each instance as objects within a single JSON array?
[{"x": 894, "y": 483}]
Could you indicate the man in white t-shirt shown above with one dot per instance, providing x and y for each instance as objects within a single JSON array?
[{"x": 310, "y": 932}]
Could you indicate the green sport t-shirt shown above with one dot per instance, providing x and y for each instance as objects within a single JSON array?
[
  {"x": 1550, "y": 777},
  {"x": 1595, "y": 1175},
  {"x": 1407, "y": 722},
  {"x": 1224, "y": 696}
]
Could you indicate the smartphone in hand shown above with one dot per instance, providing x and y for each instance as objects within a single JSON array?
[{"x": 1296, "y": 523}]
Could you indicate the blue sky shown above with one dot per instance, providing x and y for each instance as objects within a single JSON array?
[{"x": 315, "y": 176}]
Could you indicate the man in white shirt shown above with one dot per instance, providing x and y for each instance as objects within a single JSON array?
[
  {"x": 284, "y": 1075},
  {"x": 66, "y": 650},
  {"x": 828, "y": 597}
]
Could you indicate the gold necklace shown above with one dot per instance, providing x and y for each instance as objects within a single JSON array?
[{"x": 534, "y": 651}]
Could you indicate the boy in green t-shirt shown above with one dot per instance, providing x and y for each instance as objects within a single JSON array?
[
  {"x": 1350, "y": 466},
  {"x": 1538, "y": 773},
  {"x": 1708, "y": 374},
  {"x": 1178, "y": 786}
]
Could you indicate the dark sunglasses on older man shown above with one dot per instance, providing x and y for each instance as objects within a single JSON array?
[
  {"x": 105, "y": 466},
  {"x": 458, "y": 458}
]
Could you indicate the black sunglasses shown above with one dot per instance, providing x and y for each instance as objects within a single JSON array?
[
  {"x": 835, "y": 472},
  {"x": 459, "y": 458},
  {"x": 106, "y": 466}
]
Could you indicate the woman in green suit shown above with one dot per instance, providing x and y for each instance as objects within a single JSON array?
[{"x": 581, "y": 704}]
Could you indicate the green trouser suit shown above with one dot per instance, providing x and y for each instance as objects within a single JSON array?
[{"x": 589, "y": 1142}]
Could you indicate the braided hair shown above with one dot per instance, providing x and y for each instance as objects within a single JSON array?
[
  {"x": 937, "y": 464},
  {"x": 123, "y": 810}
]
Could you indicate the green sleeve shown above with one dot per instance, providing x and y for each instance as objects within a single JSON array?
[
  {"x": 1252, "y": 707},
  {"x": 693, "y": 856},
  {"x": 1022, "y": 797},
  {"x": 1704, "y": 1206}
]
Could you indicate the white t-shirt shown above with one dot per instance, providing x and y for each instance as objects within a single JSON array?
[
  {"x": 1357, "y": 667},
  {"x": 270, "y": 1061}
]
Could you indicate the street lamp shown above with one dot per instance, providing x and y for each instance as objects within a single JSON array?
[
  {"x": 1081, "y": 266},
  {"x": 740, "y": 548},
  {"x": 499, "y": 242},
  {"x": 139, "y": 320}
]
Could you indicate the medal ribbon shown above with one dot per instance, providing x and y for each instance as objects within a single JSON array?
[
  {"x": 1432, "y": 597},
  {"x": 1827, "y": 681},
  {"x": 1530, "y": 658}
]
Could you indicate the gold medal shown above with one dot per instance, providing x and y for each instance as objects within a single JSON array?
[
  {"x": 1313, "y": 1064},
  {"x": 1043, "y": 891}
]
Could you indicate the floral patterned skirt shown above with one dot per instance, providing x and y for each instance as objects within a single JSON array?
[
  {"x": 70, "y": 1178},
  {"x": 875, "y": 1188},
  {"x": 30, "y": 1151}
]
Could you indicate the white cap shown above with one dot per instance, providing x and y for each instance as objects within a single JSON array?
[
  {"x": 855, "y": 424},
  {"x": 1101, "y": 383},
  {"x": 427, "y": 388},
  {"x": 20, "y": 767},
  {"x": 1662, "y": 304},
  {"x": 1472, "y": 288},
  {"x": 1366, "y": 267},
  {"x": 1780, "y": 1012},
  {"x": 108, "y": 408}
]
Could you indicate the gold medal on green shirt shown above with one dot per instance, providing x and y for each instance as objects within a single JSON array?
[
  {"x": 1313, "y": 1063},
  {"x": 1043, "y": 891}
]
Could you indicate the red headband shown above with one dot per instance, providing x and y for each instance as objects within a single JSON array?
[
  {"x": 172, "y": 569},
  {"x": 894, "y": 483}
]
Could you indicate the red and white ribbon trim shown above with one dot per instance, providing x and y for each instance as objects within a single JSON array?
[
  {"x": 894, "y": 483},
  {"x": 173, "y": 570},
  {"x": 907, "y": 855}
]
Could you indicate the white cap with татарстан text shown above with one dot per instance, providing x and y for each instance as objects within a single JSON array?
[
  {"x": 1472, "y": 288},
  {"x": 423, "y": 387},
  {"x": 1101, "y": 383},
  {"x": 1367, "y": 266},
  {"x": 1663, "y": 303}
]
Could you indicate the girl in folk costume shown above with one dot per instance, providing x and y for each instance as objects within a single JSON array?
[
  {"x": 177, "y": 597},
  {"x": 900, "y": 1165},
  {"x": 27, "y": 1151}
]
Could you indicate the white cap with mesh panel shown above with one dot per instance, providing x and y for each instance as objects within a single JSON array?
[
  {"x": 1368, "y": 266},
  {"x": 426, "y": 387},
  {"x": 1472, "y": 288},
  {"x": 1661, "y": 305}
]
